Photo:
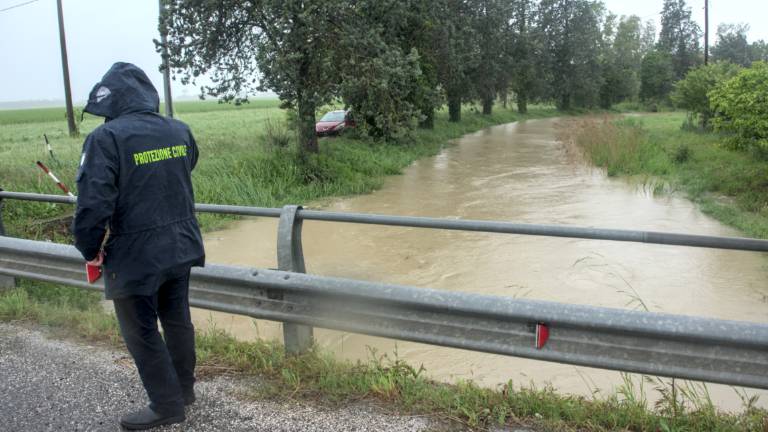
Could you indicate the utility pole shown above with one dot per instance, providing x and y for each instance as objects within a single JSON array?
[
  {"x": 166, "y": 70},
  {"x": 65, "y": 68},
  {"x": 706, "y": 32}
]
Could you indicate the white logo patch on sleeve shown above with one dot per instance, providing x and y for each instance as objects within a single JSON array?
[
  {"x": 101, "y": 93},
  {"x": 82, "y": 159}
]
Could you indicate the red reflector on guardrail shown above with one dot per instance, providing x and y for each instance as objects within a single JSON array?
[{"x": 542, "y": 334}]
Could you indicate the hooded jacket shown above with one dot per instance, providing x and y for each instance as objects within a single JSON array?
[{"x": 135, "y": 178}]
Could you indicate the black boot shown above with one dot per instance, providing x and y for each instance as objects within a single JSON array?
[
  {"x": 147, "y": 419},
  {"x": 189, "y": 398}
]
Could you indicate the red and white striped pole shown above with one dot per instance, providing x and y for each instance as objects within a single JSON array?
[{"x": 61, "y": 185}]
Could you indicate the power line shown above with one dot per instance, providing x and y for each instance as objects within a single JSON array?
[{"x": 18, "y": 5}]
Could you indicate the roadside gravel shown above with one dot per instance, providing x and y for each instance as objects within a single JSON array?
[{"x": 54, "y": 385}]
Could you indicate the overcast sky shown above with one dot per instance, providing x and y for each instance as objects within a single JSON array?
[{"x": 101, "y": 32}]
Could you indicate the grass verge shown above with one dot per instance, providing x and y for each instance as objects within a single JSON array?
[
  {"x": 387, "y": 380},
  {"x": 731, "y": 186}
]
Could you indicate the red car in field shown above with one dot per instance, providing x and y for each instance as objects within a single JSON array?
[{"x": 333, "y": 122}]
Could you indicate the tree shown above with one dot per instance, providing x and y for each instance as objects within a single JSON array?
[
  {"x": 570, "y": 37},
  {"x": 289, "y": 44},
  {"x": 692, "y": 92},
  {"x": 523, "y": 72},
  {"x": 758, "y": 51},
  {"x": 491, "y": 22},
  {"x": 454, "y": 40},
  {"x": 656, "y": 77},
  {"x": 732, "y": 44},
  {"x": 648, "y": 39},
  {"x": 679, "y": 36},
  {"x": 410, "y": 25},
  {"x": 381, "y": 89},
  {"x": 622, "y": 61}
]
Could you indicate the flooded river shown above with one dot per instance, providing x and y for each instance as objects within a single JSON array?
[{"x": 516, "y": 172}]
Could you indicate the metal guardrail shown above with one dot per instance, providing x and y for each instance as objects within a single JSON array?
[
  {"x": 727, "y": 352},
  {"x": 719, "y": 351},
  {"x": 652, "y": 237}
]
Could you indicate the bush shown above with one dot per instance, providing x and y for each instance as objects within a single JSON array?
[
  {"x": 741, "y": 108},
  {"x": 691, "y": 93},
  {"x": 681, "y": 154}
]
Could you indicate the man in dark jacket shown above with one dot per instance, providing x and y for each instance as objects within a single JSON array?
[{"x": 135, "y": 179}]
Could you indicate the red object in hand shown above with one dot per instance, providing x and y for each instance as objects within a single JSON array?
[
  {"x": 92, "y": 272},
  {"x": 542, "y": 335}
]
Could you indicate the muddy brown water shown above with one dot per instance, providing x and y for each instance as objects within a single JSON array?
[{"x": 515, "y": 172}]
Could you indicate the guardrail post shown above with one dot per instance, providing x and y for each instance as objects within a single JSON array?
[
  {"x": 290, "y": 257},
  {"x": 5, "y": 281}
]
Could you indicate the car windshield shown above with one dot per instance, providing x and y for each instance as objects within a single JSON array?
[{"x": 333, "y": 116}]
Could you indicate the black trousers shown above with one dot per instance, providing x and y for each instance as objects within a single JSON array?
[{"x": 166, "y": 366}]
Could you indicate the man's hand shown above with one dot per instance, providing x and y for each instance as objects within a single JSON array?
[{"x": 96, "y": 262}]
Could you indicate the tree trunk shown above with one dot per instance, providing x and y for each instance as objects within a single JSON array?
[
  {"x": 307, "y": 135},
  {"x": 454, "y": 110},
  {"x": 429, "y": 118},
  {"x": 487, "y": 106},
  {"x": 564, "y": 104},
  {"x": 504, "y": 97},
  {"x": 522, "y": 103},
  {"x": 704, "y": 118}
]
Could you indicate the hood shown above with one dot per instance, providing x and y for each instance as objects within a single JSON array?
[
  {"x": 328, "y": 123},
  {"x": 124, "y": 89}
]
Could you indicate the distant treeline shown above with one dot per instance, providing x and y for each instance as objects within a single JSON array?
[{"x": 394, "y": 62}]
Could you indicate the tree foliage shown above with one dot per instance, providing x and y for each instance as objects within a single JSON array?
[
  {"x": 741, "y": 107},
  {"x": 656, "y": 77},
  {"x": 732, "y": 44},
  {"x": 491, "y": 22},
  {"x": 455, "y": 42},
  {"x": 524, "y": 51},
  {"x": 622, "y": 60},
  {"x": 570, "y": 36},
  {"x": 382, "y": 91},
  {"x": 394, "y": 63},
  {"x": 679, "y": 36},
  {"x": 691, "y": 93},
  {"x": 283, "y": 46}
]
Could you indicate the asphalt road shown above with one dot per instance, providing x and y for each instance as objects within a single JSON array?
[{"x": 54, "y": 385}]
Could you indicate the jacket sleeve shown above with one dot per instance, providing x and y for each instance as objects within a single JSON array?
[
  {"x": 195, "y": 151},
  {"x": 97, "y": 192}
]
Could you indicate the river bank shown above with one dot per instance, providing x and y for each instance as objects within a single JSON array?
[
  {"x": 729, "y": 185},
  {"x": 515, "y": 172}
]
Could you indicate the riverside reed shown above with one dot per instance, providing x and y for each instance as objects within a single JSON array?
[
  {"x": 244, "y": 164},
  {"x": 729, "y": 185}
]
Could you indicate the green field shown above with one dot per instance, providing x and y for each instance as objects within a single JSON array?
[{"x": 41, "y": 115}]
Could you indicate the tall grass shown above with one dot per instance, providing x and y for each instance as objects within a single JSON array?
[
  {"x": 731, "y": 186},
  {"x": 620, "y": 146}
]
